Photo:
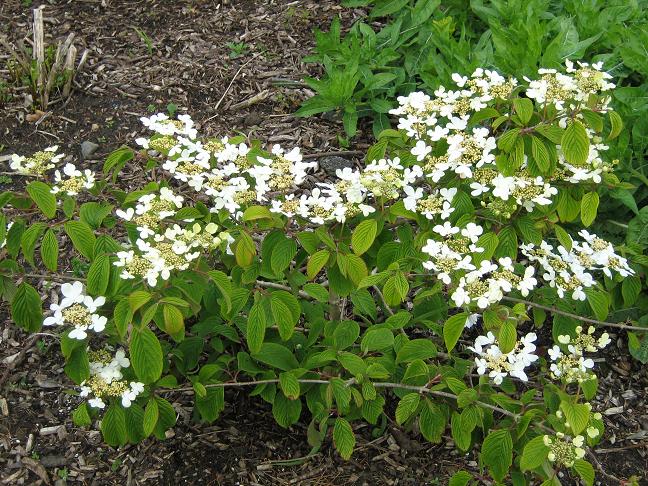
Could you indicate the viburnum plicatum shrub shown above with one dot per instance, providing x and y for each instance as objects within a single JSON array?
[{"x": 450, "y": 274}]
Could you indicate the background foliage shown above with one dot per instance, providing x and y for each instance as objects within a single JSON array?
[{"x": 405, "y": 45}]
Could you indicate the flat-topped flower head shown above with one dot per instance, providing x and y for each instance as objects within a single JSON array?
[
  {"x": 72, "y": 181},
  {"x": 78, "y": 310},
  {"x": 498, "y": 364},
  {"x": 38, "y": 163}
]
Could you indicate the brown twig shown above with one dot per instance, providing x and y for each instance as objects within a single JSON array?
[
  {"x": 231, "y": 83},
  {"x": 596, "y": 322},
  {"x": 400, "y": 386}
]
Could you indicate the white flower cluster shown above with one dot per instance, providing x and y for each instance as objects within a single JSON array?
[
  {"x": 573, "y": 367},
  {"x": 491, "y": 359},
  {"x": 75, "y": 181},
  {"x": 38, "y": 164},
  {"x": 161, "y": 249},
  {"x": 106, "y": 379},
  {"x": 151, "y": 209},
  {"x": 452, "y": 259},
  {"x": 560, "y": 89},
  {"x": 445, "y": 146},
  {"x": 229, "y": 173},
  {"x": 70, "y": 182},
  {"x": 565, "y": 450},
  {"x": 77, "y": 309},
  {"x": 569, "y": 271}
]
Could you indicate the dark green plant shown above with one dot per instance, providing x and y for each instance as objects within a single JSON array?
[{"x": 420, "y": 43}]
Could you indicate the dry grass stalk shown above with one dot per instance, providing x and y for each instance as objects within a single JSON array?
[{"x": 46, "y": 74}]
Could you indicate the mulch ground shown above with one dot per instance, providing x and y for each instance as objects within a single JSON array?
[{"x": 184, "y": 58}]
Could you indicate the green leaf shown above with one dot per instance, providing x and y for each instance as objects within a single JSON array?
[
  {"x": 286, "y": 411},
  {"x": 489, "y": 242},
  {"x": 585, "y": 470},
  {"x": 283, "y": 317},
  {"x": 345, "y": 334},
  {"x": 257, "y": 212},
  {"x": 395, "y": 289},
  {"x": 69, "y": 205},
  {"x": 589, "y": 208},
  {"x": 122, "y": 316},
  {"x": 630, "y": 289},
  {"x": 81, "y": 416},
  {"x": 289, "y": 385},
  {"x": 146, "y": 355},
  {"x": 315, "y": 105},
  {"x": 599, "y": 302},
  {"x": 309, "y": 241},
  {"x": 113, "y": 426},
  {"x": 575, "y": 143},
  {"x": 589, "y": 388},
  {"x": 317, "y": 291},
  {"x": 508, "y": 243},
  {"x": 507, "y": 337},
  {"x": 316, "y": 262},
  {"x": 461, "y": 434},
  {"x": 507, "y": 141},
  {"x": 563, "y": 237},
  {"x": 616, "y": 125},
  {"x": 524, "y": 109},
  {"x": 49, "y": 250},
  {"x": 117, "y": 159},
  {"x": 363, "y": 236},
  {"x": 529, "y": 232},
  {"x": 343, "y": 438},
  {"x": 173, "y": 319},
  {"x": 353, "y": 363},
  {"x": 29, "y": 239},
  {"x": 137, "y": 299},
  {"x": 256, "y": 328},
  {"x": 350, "y": 121},
  {"x": 453, "y": 328},
  {"x": 26, "y": 308},
  {"x": 534, "y": 454},
  {"x": 151, "y": 414},
  {"x": 82, "y": 237},
  {"x": 94, "y": 213},
  {"x": 99, "y": 275},
  {"x": 282, "y": 255},
  {"x": 416, "y": 349},
  {"x": 244, "y": 250},
  {"x": 577, "y": 415},
  {"x": 77, "y": 366},
  {"x": 224, "y": 285},
  {"x": 406, "y": 407},
  {"x": 166, "y": 417},
  {"x": 43, "y": 197},
  {"x": 540, "y": 154},
  {"x": 211, "y": 404},
  {"x": 460, "y": 478},
  {"x": 431, "y": 422},
  {"x": 497, "y": 453},
  {"x": 277, "y": 356},
  {"x": 593, "y": 120},
  {"x": 377, "y": 339}
]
